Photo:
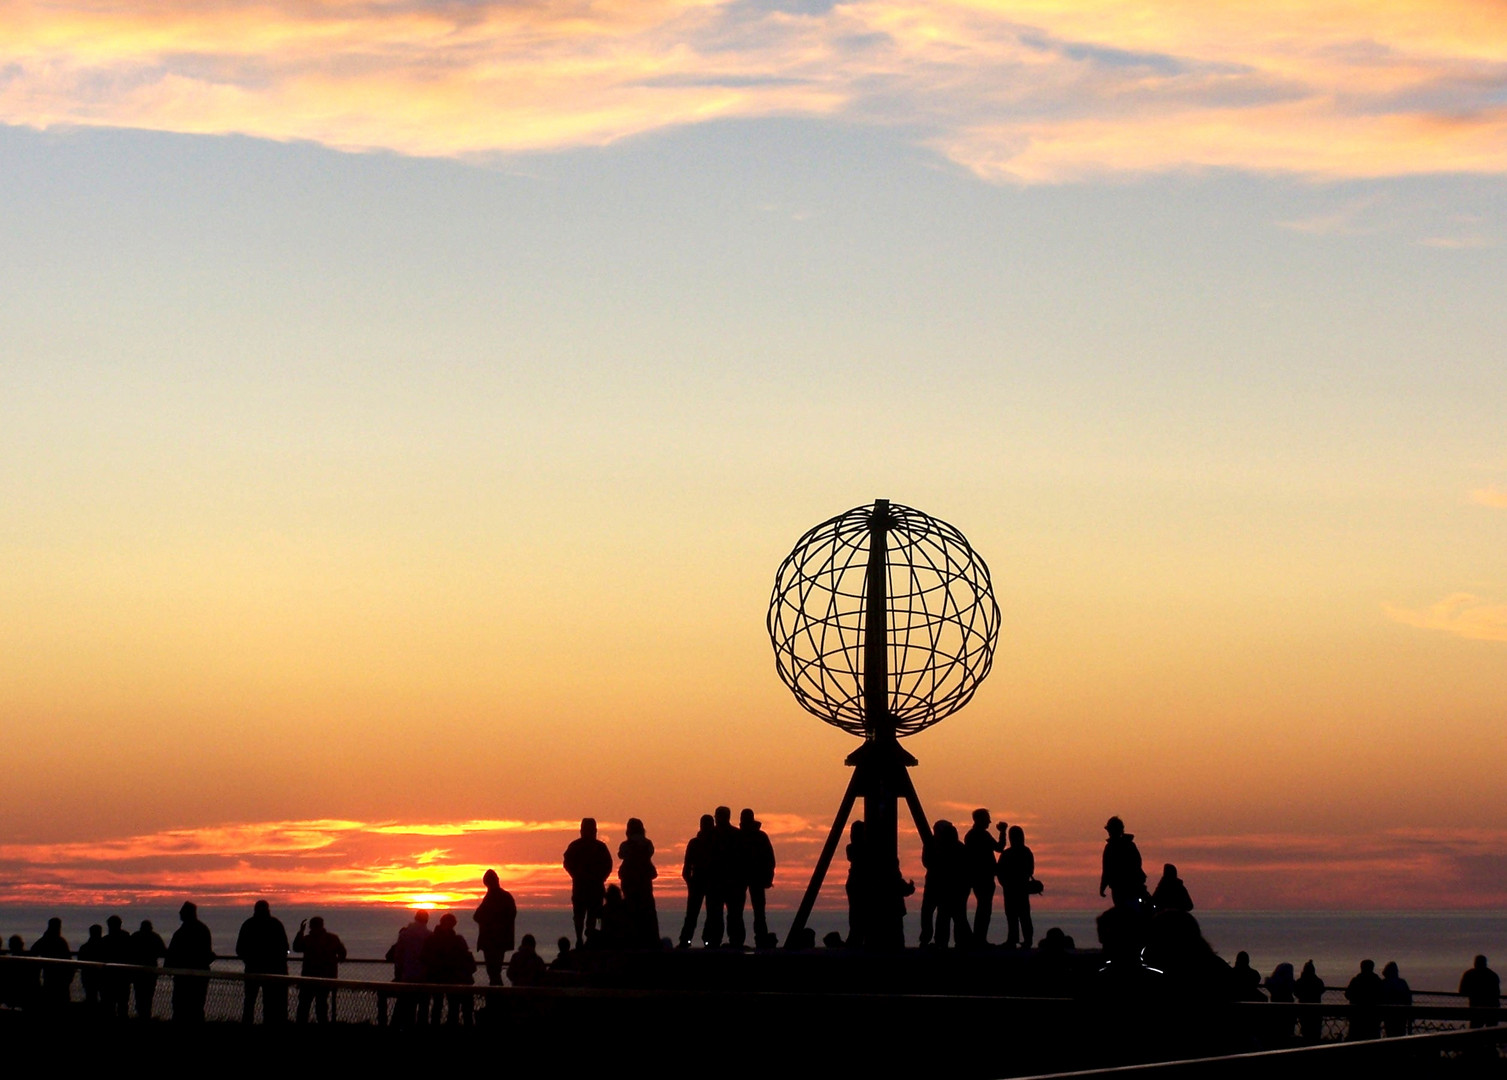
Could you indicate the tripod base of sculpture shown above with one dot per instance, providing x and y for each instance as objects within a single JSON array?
[{"x": 881, "y": 777}]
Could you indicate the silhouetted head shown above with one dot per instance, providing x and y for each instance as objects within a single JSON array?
[
  {"x": 1308, "y": 970},
  {"x": 447, "y": 921},
  {"x": 1242, "y": 959},
  {"x": 832, "y": 940},
  {"x": 490, "y": 880},
  {"x": 981, "y": 818},
  {"x": 1169, "y": 871},
  {"x": 189, "y": 911},
  {"x": 261, "y": 907},
  {"x": 1480, "y": 960},
  {"x": 528, "y": 944},
  {"x": 146, "y": 926},
  {"x": 1017, "y": 836},
  {"x": 1117, "y": 935},
  {"x": 95, "y": 930},
  {"x": 1115, "y": 827},
  {"x": 55, "y": 926},
  {"x": 589, "y": 828},
  {"x": 1367, "y": 966},
  {"x": 855, "y": 832},
  {"x": 1390, "y": 971},
  {"x": 746, "y": 819},
  {"x": 635, "y": 827},
  {"x": 316, "y": 923},
  {"x": 114, "y": 922},
  {"x": 421, "y": 917},
  {"x": 563, "y": 945},
  {"x": 708, "y": 823},
  {"x": 1282, "y": 973},
  {"x": 945, "y": 830},
  {"x": 16, "y": 945},
  {"x": 724, "y": 815}
]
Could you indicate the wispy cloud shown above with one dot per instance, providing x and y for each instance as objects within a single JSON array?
[
  {"x": 1018, "y": 90},
  {"x": 1462, "y": 614}
]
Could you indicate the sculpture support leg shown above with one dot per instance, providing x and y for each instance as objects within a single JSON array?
[{"x": 819, "y": 874}]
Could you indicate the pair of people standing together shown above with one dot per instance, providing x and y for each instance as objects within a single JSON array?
[{"x": 957, "y": 868}]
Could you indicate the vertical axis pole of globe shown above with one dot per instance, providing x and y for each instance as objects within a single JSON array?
[{"x": 882, "y": 786}]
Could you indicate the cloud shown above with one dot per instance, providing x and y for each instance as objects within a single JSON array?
[
  {"x": 1462, "y": 614},
  {"x": 1016, "y": 90},
  {"x": 1490, "y": 496}
]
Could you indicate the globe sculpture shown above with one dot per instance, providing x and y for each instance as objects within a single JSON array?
[{"x": 883, "y": 623}]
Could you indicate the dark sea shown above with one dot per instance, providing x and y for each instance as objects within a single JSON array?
[{"x": 1431, "y": 948}]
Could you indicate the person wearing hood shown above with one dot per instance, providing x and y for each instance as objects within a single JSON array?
[
  {"x": 1122, "y": 874},
  {"x": 56, "y": 978},
  {"x": 636, "y": 874},
  {"x": 496, "y": 917},
  {"x": 758, "y": 870},
  {"x": 1396, "y": 992},
  {"x": 190, "y": 950},
  {"x": 1171, "y": 894}
]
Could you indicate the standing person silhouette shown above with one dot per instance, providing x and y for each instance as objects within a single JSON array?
[
  {"x": 698, "y": 871},
  {"x": 636, "y": 874},
  {"x": 322, "y": 954},
  {"x": 1017, "y": 866},
  {"x": 448, "y": 961},
  {"x": 944, "y": 894},
  {"x": 860, "y": 881},
  {"x": 983, "y": 859},
  {"x": 92, "y": 951},
  {"x": 190, "y": 950},
  {"x": 588, "y": 862},
  {"x": 262, "y": 946},
  {"x": 1309, "y": 990},
  {"x": 496, "y": 917},
  {"x": 1395, "y": 991},
  {"x": 147, "y": 949},
  {"x": 1364, "y": 992},
  {"x": 56, "y": 978},
  {"x": 732, "y": 886},
  {"x": 1122, "y": 874},
  {"x": 1481, "y": 987},
  {"x": 758, "y": 871},
  {"x": 117, "y": 985},
  {"x": 407, "y": 956}
]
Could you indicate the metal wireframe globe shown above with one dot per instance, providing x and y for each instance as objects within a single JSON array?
[{"x": 943, "y": 622}]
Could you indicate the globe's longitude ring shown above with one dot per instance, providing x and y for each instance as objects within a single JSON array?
[{"x": 942, "y": 619}]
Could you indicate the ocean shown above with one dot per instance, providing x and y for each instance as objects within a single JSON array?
[{"x": 1432, "y": 948}]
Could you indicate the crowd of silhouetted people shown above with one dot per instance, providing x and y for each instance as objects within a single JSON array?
[{"x": 1153, "y": 950}]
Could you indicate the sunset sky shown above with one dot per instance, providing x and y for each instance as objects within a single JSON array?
[{"x": 404, "y": 407}]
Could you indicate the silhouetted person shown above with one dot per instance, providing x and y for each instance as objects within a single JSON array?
[
  {"x": 1195, "y": 975},
  {"x": 262, "y": 946},
  {"x": 92, "y": 951},
  {"x": 565, "y": 957},
  {"x": 1122, "y": 874},
  {"x": 858, "y": 884},
  {"x": 1364, "y": 992},
  {"x": 496, "y": 917},
  {"x": 56, "y": 978},
  {"x": 527, "y": 966},
  {"x": 983, "y": 857},
  {"x": 617, "y": 928},
  {"x": 588, "y": 862},
  {"x": 1054, "y": 970},
  {"x": 147, "y": 951},
  {"x": 698, "y": 871},
  {"x": 1481, "y": 988},
  {"x": 190, "y": 950},
  {"x": 758, "y": 872},
  {"x": 1171, "y": 894},
  {"x": 832, "y": 939},
  {"x": 322, "y": 953},
  {"x": 447, "y": 960},
  {"x": 636, "y": 874},
  {"x": 944, "y": 895},
  {"x": 731, "y": 890},
  {"x": 407, "y": 956},
  {"x": 117, "y": 985},
  {"x": 1309, "y": 990},
  {"x": 1123, "y": 976},
  {"x": 1395, "y": 991},
  {"x": 20, "y": 987},
  {"x": 1246, "y": 979},
  {"x": 1017, "y": 868},
  {"x": 1281, "y": 985}
]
